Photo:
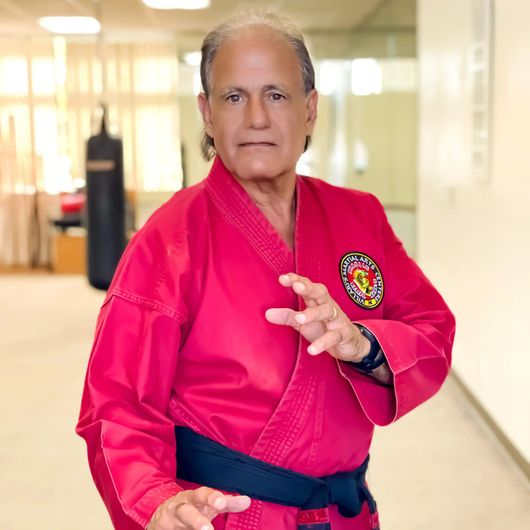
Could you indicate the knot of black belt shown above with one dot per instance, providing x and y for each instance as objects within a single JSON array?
[{"x": 203, "y": 461}]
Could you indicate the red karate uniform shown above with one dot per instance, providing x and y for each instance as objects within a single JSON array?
[{"x": 182, "y": 339}]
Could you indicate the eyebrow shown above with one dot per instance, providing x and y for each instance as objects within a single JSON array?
[
  {"x": 230, "y": 89},
  {"x": 266, "y": 88},
  {"x": 283, "y": 88}
]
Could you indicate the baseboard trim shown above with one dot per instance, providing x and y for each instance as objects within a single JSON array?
[{"x": 514, "y": 453}]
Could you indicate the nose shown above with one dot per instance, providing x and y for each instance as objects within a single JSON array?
[{"x": 257, "y": 116}]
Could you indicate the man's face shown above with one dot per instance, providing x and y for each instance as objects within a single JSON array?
[{"x": 257, "y": 112}]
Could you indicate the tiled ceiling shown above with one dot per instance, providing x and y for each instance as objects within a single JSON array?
[{"x": 20, "y": 16}]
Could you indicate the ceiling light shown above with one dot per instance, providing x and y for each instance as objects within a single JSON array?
[
  {"x": 71, "y": 25},
  {"x": 366, "y": 77},
  {"x": 177, "y": 4},
  {"x": 193, "y": 58}
]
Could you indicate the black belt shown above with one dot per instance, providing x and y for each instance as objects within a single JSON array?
[{"x": 203, "y": 461}]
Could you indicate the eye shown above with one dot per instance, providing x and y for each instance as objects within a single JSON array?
[
  {"x": 234, "y": 98},
  {"x": 276, "y": 96}
]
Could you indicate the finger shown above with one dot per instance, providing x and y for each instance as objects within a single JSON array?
[
  {"x": 218, "y": 501},
  {"x": 326, "y": 342},
  {"x": 288, "y": 279},
  {"x": 308, "y": 290},
  {"x": 318, "y": 313},
  {"x": 311, "y": 292},
  {"x": 205, "y": 496},
  {"x": 282, "y": 316},
  {"x": 190, "y": 517},
  {"x": 237, "y": 503}
]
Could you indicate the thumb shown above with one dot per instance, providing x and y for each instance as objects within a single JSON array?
[{"x": 237, "y": 503}]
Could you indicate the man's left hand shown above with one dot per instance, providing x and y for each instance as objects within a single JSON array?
[{"x": 322, "y": 323}]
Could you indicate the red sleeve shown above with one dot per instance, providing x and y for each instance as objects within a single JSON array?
[
  {"x": 130, "y": 439},
  {"x": 416, "y": 335}
]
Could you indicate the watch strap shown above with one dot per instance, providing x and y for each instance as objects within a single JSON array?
[{"x": 375, "y": 356}]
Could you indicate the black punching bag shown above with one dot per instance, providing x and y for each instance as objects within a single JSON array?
[{"x": 105, "y": 206}]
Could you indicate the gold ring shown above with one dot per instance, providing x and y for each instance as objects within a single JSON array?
[{"x": 334, "y": 314}]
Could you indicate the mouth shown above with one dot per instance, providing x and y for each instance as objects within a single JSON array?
[{"x": 256, "y": 144}]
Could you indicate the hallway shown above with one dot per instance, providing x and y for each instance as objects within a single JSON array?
[{"x": 438, "y": 469}]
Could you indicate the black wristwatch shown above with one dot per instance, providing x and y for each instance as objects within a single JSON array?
[{"x": 375, "y": 357}]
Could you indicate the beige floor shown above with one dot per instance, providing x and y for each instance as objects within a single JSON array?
[{"x": 438, "y": 469}]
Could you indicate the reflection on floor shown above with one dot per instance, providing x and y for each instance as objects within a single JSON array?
[{"x": 437, "y": 469}]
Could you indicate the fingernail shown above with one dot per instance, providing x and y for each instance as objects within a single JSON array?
[
  {"x": 301, "y": 318},
  {"x": 206, "y": 527},
  {"x": 312, "y": 350},
  {"x": 300, "y": 286},
  {"x": 218, "y": 503}
]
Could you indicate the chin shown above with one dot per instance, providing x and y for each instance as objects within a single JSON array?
[
  {"x": 267, "y": 167},
  {"x": 257, "y": 174},
  {"x": 257, "y": 170}
]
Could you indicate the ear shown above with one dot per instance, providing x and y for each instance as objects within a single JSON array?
[
  {"x": 206, "y": 112},
  {"x": 311, "y": 107}
]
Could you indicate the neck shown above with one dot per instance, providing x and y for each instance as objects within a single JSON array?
[
  {"x": 276, "y": 200},
  {"x": 271, "y": 193}
]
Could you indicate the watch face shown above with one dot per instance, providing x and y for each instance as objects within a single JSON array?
[
  {"x": 368, "y": 334},
  {"x": 374, "y": 345}
]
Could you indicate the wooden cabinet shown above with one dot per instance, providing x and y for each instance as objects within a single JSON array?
[{"x": 68, "y": 254}]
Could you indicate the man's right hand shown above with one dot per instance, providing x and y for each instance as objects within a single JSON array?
[{"x": 194, "y": 509}]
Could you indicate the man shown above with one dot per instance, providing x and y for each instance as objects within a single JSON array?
[{"x": 273, "y": 319}]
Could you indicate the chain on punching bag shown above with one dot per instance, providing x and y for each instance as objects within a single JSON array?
[{"x": 105, "y": 196}]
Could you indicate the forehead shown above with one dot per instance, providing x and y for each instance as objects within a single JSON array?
[{"x": 256, "y": 55}]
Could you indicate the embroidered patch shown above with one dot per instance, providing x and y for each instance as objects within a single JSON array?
[{"x": 362, "y": 279}]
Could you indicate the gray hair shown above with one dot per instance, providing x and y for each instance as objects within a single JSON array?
[{"x": 280, "y": 25}]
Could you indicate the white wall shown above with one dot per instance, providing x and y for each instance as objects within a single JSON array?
[{"x": 474, "y": 236}]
